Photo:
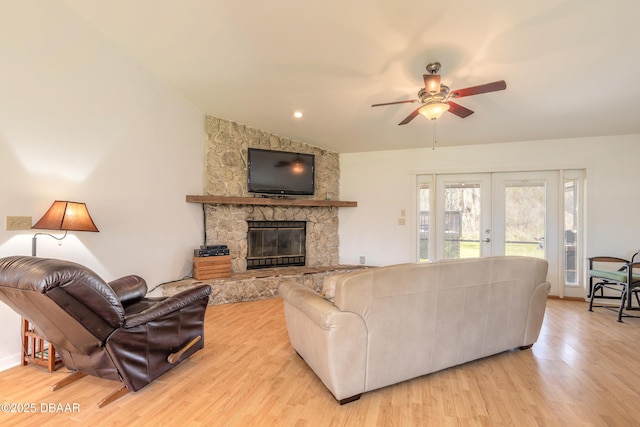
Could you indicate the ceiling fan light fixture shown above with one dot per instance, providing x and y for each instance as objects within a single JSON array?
[
  {"x": 435, "y": 98},
  {"x": 433, "y": 110},
  {"x": 432, "y": 83}
]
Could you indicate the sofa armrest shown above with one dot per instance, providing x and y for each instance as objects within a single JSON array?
[
  {"x": 169, "y": 305},
  {"x": 129, "y": 289},
  {"x": 537, "y": 306},
  {"x": 331, "y": 341},
  {"x": 318, "y": 309}
]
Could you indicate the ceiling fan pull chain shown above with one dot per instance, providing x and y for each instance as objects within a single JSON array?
[{"x": 434, "y": 134}]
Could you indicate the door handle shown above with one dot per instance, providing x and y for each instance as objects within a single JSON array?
[{"x": 487, "y": 240}]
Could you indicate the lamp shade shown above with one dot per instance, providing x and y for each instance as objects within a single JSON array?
[
  {"x": 432, "y": 83},
  {"x": 433, "y": 110},
  {"x": 68, "y": 216}
]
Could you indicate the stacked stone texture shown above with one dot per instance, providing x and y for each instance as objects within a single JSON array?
[{"x": 226, "y": 175}]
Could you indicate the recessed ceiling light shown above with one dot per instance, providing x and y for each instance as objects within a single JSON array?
[{"x": 297, "y": 114}]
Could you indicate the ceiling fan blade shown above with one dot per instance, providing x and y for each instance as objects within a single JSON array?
[
  {"x": 410, "y": 116},
  {"x": 459, "y": 110},
  {"x": 476, "y": 90},
  {"x": 395, "y": 102}
]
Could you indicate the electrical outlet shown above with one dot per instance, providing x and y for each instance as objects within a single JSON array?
[
  {"x": 17, "y": 223},
  {"x": 362, "y": 259},
  {"x": 402, "y": 221}
]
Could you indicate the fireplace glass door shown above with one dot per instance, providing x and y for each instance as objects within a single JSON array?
[{"x": 276, "y": 243}]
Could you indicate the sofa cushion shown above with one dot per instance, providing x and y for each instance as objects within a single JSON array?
[
  {"x": 616, "y": 276},
  {"x": 329, "y": 287},
  {"x": 329, "y": 284}
]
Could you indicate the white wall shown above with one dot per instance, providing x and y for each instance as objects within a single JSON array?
[
  {"x": 383, "y": 183},
  {"x": 80, "y": 121}
]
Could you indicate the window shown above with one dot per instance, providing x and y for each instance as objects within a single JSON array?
[
  {"x": 424, "y": 217},
  {"x": 572, "y": 221}
]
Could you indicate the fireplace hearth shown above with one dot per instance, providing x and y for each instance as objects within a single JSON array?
[{"x": 276, "y": 244}]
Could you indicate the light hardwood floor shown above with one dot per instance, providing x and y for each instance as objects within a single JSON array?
[{"x": 584, "y": 371}]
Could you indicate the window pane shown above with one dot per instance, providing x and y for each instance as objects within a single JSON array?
[
  {"x": 424, "y": 196},
  {"x": 525, "y": 213},
  {"x": 570, "y": 231},
  {"x": 462, "y": 221}
]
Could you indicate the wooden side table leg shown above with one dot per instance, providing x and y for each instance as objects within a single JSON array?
[
  {"x": 25, "y": 342},
  {"x": 52, "y": 358},
  {"x": 40, "y": 352}
]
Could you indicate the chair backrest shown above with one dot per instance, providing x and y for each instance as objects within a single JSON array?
[{"x": 70, "y": 305}]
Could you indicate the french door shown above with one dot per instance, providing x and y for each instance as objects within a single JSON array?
[
  {"x": 477, "y": 215},
  {"x": 463, "y": 216}
]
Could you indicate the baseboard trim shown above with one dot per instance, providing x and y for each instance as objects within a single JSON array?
[
  {"x": 9, "y": 361},
  {"x": 566, "y": 298}
]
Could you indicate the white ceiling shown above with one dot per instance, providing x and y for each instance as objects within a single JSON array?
[{"x": 571, "y": 66}]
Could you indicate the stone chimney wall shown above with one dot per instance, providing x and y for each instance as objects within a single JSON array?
[{"x": 226, "y": 175}]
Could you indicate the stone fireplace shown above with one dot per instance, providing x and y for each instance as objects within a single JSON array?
[
  {"x": 276, "y": 243},
  {"x": 231, "y": 213},
  {"x": 226, "y": 175}
]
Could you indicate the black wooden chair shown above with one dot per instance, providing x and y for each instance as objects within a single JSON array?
[{"x": 610, "y": 283}]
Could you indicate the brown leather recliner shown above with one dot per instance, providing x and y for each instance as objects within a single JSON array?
[{"x": 108, "y": 330}]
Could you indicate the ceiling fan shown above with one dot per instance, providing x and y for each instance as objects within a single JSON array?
[{"x": 436, "y": 98}]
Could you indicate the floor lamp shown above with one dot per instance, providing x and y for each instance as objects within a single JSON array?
[{"x": 63, "y": 215}]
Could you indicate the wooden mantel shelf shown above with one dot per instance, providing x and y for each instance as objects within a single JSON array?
[{"x": 268, "y": 201}]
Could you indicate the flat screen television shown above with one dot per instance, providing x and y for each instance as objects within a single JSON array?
[{"x": 280, "y": 172}]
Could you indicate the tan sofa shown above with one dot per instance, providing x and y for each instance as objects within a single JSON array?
[{"x": 373, "y": 328}]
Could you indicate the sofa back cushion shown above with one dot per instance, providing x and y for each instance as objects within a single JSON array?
[{"x": 328, "y": 290}]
